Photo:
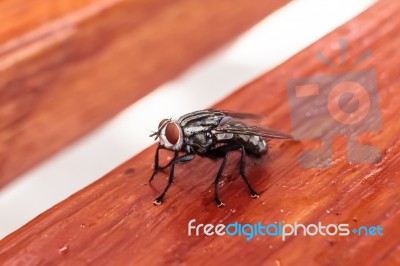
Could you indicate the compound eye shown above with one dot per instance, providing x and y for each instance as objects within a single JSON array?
[
  {"x": 162, "y": 123},
  {"x": 172, "y": 133}
]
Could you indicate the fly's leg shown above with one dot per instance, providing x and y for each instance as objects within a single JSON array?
[
  {"x": 243, "y": 174},
  {"x": 221, "y": 169},
  {"x": 223, "y": 152},
  {"x": 180, "y": 159},
  {"x": 158, "y": 168}
]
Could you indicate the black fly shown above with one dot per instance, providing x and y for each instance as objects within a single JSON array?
[{"x": 213, "y": 134}]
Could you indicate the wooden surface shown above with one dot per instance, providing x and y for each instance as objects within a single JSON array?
[
  {"x": 18, "y": 17},
  {"x": 68, "y": 66},
  {"x": 113, "y": 221}
]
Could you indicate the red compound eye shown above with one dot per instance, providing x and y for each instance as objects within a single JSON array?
[
  {"x": 162, "y": 123},
  {"x": 172, "y": 133}
]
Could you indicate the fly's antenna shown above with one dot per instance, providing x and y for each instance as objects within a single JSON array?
[{"x": 156, "y": 134}]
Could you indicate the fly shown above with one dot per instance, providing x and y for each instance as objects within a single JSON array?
[{"x": 213, "y": 134}]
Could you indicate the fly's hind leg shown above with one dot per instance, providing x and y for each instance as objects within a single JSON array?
[{"x": 253, "y": 194}]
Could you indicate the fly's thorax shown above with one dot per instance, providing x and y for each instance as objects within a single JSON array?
[
  {"x": 202, "y": 117},
  {"x": 200, "y": 142}
]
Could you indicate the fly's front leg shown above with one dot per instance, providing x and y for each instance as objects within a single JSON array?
[
  {"x": 243, "y": 174},
  {"x": 181, "y": 159},
  {"x": 158, "y": 168}
]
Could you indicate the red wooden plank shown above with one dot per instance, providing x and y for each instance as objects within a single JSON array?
[{"x": 113, "y": 221}]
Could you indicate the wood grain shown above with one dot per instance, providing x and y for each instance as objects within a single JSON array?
[
  {"x": 113, "y": 221},
  {"x": 64, "y": 78},
  {"x": 18, "y": 16}
]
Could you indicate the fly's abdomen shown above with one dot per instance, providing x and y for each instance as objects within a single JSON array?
[{"x": 253, "y": 144}]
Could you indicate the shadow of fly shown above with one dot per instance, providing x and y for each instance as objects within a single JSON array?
[{"x": 213, "y": 134}]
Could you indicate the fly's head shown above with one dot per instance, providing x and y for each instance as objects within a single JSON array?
[{"x": 170, "y": 135}]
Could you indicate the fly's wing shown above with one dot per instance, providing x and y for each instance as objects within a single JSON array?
[{"x": 234, "y": 126}]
